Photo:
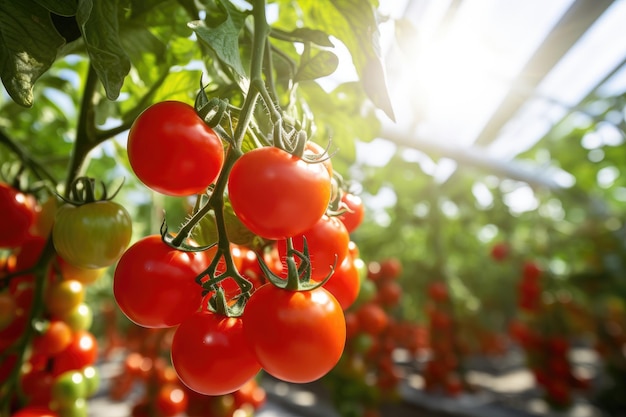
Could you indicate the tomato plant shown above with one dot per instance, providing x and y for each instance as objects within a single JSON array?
[
  {"x": 276, "y": 194},
  {"x": 210, "y": 354},
  {"x": 297, "y": 336},
  {"x": 354, "y": 212},
  {"x": 173, "y": 151},
  {"x": 154, "y": 284}
]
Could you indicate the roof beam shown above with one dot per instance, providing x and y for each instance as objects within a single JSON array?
[{"x": 572, "y": 25}]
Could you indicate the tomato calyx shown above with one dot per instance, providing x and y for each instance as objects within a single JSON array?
[
  {"x": 298, "y": 277},
  {"x": 83, "y": 191}
]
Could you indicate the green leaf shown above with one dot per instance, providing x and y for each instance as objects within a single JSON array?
[
  {"x": 354, "y": 23},
  {"x": 305, "y": 34},
  {"x": 28, "y": 47},
  {"x": 98, "y": 22},
  {"x": 320, "y": 65},
  {"x": 223, "y": 37},
  {"x": 60, "y": 7}
]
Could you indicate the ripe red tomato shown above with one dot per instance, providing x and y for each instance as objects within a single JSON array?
[
  {"x": 54, "y": 339},
  {"x": 92, "y": 235},
  {"x": 211, "y": 355},
  {"x": 35, "y": 411},
  {"x": 500, "y": 251},
  {"x": 82, "y": 351},
  {"x": 390, "y": 268},
  {"x": 389, "y": 293},
  {"x": 172, "y": 151},
  {"x": 438, "y": 291},
  {"x": 26, "y": 256},
  {"x": 154, "y": 284},
  {"x": 298, "y": 336},
  {"x": 18, "y": 215},
  {"x": 171, "y": 400},
  {"x": 327, "y": 242},
  {"x": 344, "y": 284},
  {"x": 277, "y": 195},
  {"x": 36, "y": 385},
  {"x": 531, "y": 271},
  {"x": 355, "y": 211},
  {"x": 372, "y": 318}
]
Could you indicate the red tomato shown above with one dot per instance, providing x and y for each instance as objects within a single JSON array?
[
  {"x": 327, "y": 242},
  {"x": 315, "y": 151},
  {"x": 37, "y": 385},
  {"x": 355, "y": 211},
  {"x": 438, "y": 291},
  {"x": 390, "y": 268},
  {"x": 82, "y": 351},
  {"x": 531, "y": 271},
  {"x": 172, "y": 150},
  {"x": 345, "y": 283},
  {"x": 34, "y": 411},
  {"x": 211, "y": 355},
  {"x": 250, "y": 393},
  {"x": 372, "y": 318},
  {"x": 18, "y": 215},
  {"x": 54, "y": 339},
  {"x": 389, "y": 293},
  {"x": 277, "y": 195},
  {"x": 171, "y": 400},
  {"x": 154, "y": 284},
  {"x": 500, "y": 251},
  {"x": 298, "y": 336},
  {"x": 26, "y": 256}
]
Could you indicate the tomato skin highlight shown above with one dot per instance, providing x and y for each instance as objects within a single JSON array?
[
  {"x": 154, "y": 284},
  {"x": 298, "y": 336},
  {"x": 92, "y": 235},
  {"x": 172, "y": 151},
  {"x": 211, "y": 355},
  {"x": 355, "y": 211},
  {"x": 18, "y": 215},
  {"x": 277, "y": 195}
]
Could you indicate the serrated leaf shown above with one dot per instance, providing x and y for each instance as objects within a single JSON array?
[
  {"x": 98, "y": 22},
  {"x": 320, "y": 65},
  {"x": 60, "y": 7},
  {"x": 223, "y": 37},
  {"x": 180, "y": 86},
  {"x": 28, "y": 47},
  {"x": 354, "y": 23}
]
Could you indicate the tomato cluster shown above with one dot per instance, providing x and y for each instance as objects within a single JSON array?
[
  {"x": 367, "y": 375},
  {"x": 261, "y": 273},
  {"x": 442, "y": 370}
]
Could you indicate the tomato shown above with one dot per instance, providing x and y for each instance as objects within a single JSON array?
[
  {"x": 372, "y": 318},
  {"x": 37, "y": 385},
  {"x": 82, "y": 351},
  {"x": 172, "y": 151},
  {"x": 83, "y": 275},
  {"x": 18, "y": 216},
  {"x": 54, "y": 339},
  {"x": 154, "y": 285},
  {"x": 389, "y": 293},
  {"x": 500, "y": 251},
  {"x": 531, "y": 271},
  {"x": 44, "y": 217},
  {"x": 250, "y": 393},
  {"x": 171, "y": 400},
  {"x": 344, "y": 283},
  {"x": 26, "y": 256},
  {"x": 355, "y": 211},
  {"x": 315, "y": 151},
  {"x": 78, "y": 318},
  {"x": 438, "y": 291},
  {"x": 92, "y": 235},
  {"x": 35, "y": 411},
  {"x": 68, "y": 387},
  {"x": 92, "y": 380},
  {"x": 277, "y": 195},
  {"x": 390, "y": 268},
  {"x": 327, "y": 242},
  {"x": 211, "y": 355},
  {"x": 298, "y": 336},
  {"x": 63, "y": 296}
]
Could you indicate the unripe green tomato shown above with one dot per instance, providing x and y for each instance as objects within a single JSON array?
[
  {"x": 79, "y": 318},
  {"x": 362, "y": 342},
  {"x": 92, "y": 235},
  {"x": 67, "y": 388},
  {"x": 205, "y": 232},
  {"x": 92, "y": 380}
]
